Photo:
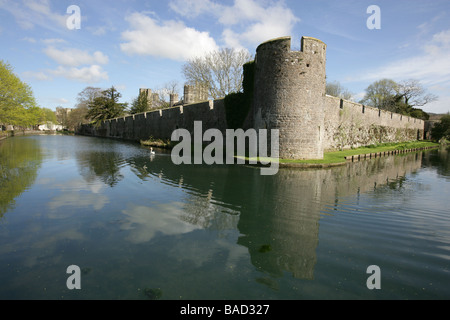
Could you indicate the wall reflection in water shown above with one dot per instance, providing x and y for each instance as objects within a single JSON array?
[{"x": 277, "y": 216}]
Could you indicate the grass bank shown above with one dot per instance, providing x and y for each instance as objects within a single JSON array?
[
  {"x": 158, "y": 143},
  {"x": 334, "y": 157}
]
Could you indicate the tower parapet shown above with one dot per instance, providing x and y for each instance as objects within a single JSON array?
[
  {"x": 149, "y": 94},
  {"x": 195, "y": 93},
  {"x": 173, "y": 98},
  {"x": 289, "y": 90}
]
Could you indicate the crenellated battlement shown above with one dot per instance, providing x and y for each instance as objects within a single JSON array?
[{"x": 288, "y": 95}]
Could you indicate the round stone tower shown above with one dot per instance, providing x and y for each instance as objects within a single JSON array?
[{"x": 289, "y": 94}]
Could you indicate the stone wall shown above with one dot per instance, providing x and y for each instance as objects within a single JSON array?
[
  {"x": 288, "y": 95},
  {"x": 160, "y": 124},
  {"x": 349, "y": 124}
]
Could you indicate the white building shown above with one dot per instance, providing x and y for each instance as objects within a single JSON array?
[{"x": 50, "y": 126}]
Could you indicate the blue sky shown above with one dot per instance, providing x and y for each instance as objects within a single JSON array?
[{"x": 144, "y": 44}]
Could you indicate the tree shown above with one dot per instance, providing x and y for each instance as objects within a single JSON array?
[
  {"x": 220, "y": 71},
  {"x": 382, "y": 94},
  {"x": 413, "y": 93},
  {"x": 140, "y": 104},
  {"x": 106, "y": 106},
  {"x": 16, "y": 98},
  {"x": 30, "y": 117},
  {"x": 62, "y": 116},
  {"x": 336, "y": 90},
  {"x": 442, "y": 129},
  {"x": 47, "y": 115},
  {"x": 169, "y": 88},
  {"x": 418, "y": 114},
  {"x": 88, "y": 95},
  {"x": 76, "y": 117},
  {"x": 403, "y": 97}
]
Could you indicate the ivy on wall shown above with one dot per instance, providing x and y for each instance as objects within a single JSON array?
[{"x": 238, "y": 105}]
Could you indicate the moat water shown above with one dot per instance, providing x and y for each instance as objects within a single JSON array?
[{"x": 140, "y": 227}]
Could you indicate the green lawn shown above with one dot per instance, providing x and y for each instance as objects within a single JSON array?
[
  {"x": 335, "y": 157},
  {"x": 339, "y": 156}
]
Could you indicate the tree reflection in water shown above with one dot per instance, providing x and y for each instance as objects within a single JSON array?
[{"x": 20, "y": 159}]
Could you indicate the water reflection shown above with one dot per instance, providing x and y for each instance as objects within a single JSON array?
[
  {"x": 287, "y": 219},
  {"x": 277, "y": 216},
  {"x": 440, "y": 160},
  {"x": 104, "y": 165},
  {"x": 20, "y": 160},
  {"x": 136, "y": 218},
  {"x": 146, "y": 222}
]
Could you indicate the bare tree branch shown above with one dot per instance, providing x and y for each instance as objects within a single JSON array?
[{"x": 221, "y": 71}]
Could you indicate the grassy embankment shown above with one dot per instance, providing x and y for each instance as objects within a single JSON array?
[
  {"x": 158, "y": 143},
  {"x": 338, "y": 157}
]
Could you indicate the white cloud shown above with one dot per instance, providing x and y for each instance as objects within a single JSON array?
[
  {"x": 60, "y": 100},
  {"x": 53, "y": 41},
  {"x": 431, "y": 66},
  {"x": 29, "y": 39},
  {"x": 90, "y": 74},
  {"x": 39, "y": 75},
  {"x": 31, "y": 13},
  {"x": 121, "y": 87},
  {"x": 260, "y": 23},
  {"x": 101, "y": 30},
  {"x": 97, "y": 31},
  {"x": 231, "y": 39},
  {"x": 73, "y": 64},
  {"x": 75, "y": 57},
  {"x": 169, "y": 39},
  {"x": 74, "y": 199},
  {"x": 144, "y": 223},
  {"x": 193, "y": 8},
  {"x": 246, "y": 22}
]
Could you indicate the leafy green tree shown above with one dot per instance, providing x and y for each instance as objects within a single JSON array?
[
  {"x": 140, "y": 104},
  {"x": 382, "y": 94},
  {"x": 47, "y": 115},
  {"x": 106, "y": 106},
  {"x": 403, "y": 97},
  {"x": 16, "y": 98},
  {"x": 442, "y": 129},
  {"x": 31, "y": 117}
]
